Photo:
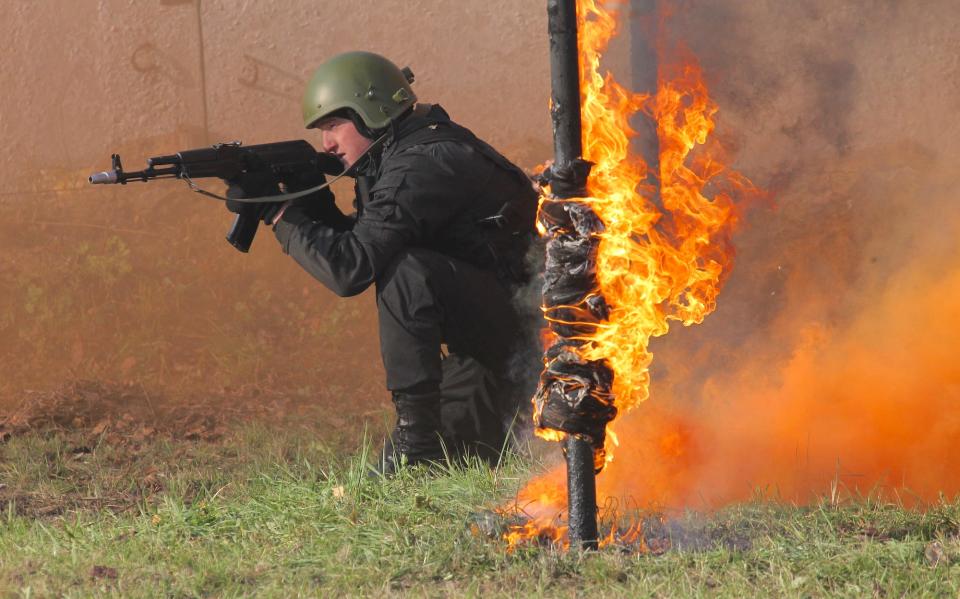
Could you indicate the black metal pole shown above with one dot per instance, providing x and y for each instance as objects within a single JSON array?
[
  {"x": 568, "y": 147},
  {"x": 564, "y": 81},
  {"x": 643, "y": 67},
  {"x": 581, "y": 494}
]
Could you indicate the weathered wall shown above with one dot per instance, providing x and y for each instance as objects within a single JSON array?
[
  {"x": 136, "y": 283},
  {"x": 82, "y": 77}
]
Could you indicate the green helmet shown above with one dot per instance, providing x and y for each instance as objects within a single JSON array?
[{"x": 367, "y": 83}]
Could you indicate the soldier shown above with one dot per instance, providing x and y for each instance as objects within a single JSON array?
[{"x": 441, "y": 228}]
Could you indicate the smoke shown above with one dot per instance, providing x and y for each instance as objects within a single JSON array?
[
  {"x": 867, "y": 402},
  {"x": 829, "y": 361}
]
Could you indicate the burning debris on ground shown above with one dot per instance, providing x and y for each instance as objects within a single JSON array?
[{"x": 631, "y": 531}]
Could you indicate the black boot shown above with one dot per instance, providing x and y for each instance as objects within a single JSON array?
[{"x": 417, "y": 437}]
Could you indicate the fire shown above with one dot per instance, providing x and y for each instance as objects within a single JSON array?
[
  {"x": 665, "y": 250},
  {"x": 657, "y": 262},
  {"x": 543, "y": 526}
]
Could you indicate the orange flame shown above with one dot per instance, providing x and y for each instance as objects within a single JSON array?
[{"x": 666, "y": 248}]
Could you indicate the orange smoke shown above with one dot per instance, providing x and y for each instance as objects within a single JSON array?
[{"x": 868, "y": 407}]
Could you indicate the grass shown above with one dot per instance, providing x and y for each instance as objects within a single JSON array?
[{"x": 281, "y": 515}]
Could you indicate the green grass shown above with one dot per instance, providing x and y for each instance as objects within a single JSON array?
[{"x": 262, "y": 513}]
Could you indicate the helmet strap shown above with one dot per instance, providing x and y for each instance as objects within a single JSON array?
[{"x": 362, "y": 127}]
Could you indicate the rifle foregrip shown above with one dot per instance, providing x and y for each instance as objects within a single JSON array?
[{"x": 244, "y": 229}]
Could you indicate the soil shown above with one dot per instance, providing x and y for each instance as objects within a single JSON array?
[
  {"x": 114, "y": 447},
  {"x": 129, "y": 414}
]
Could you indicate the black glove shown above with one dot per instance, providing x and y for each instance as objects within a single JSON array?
[
  {"x": 319, "y": 205},
  {"x": 253, "y": 185}
]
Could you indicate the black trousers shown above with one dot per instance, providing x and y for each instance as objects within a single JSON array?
[{"x": 426, "y": 299}]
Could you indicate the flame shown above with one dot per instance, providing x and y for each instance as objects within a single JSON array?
[
  {"x": 544, "y": 526},
  {"x": 656, "y": 263},
  {"x": 666, "y": 249}
]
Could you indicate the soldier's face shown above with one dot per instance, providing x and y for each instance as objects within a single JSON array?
[{"x": 340, "y": 137}]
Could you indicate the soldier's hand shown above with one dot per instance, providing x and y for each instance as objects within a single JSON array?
[
  {"x": 305, "y": 179},
  {"x": 319, "y": 205},
  {"x": 253, "y": 185}
]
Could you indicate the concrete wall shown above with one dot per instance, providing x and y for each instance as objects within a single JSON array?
[
  {"x": 83, "y": 77},
  {"x": 136, "y": 284}
]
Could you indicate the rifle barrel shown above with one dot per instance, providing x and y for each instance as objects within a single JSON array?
[
  {"x": 103, "y": 177},
  {"x": 120, "y": 176}
]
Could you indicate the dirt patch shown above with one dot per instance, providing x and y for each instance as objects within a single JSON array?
[
  {"x": 103, "y": 572},
  {"x": 45, "y": 505},
  {"x": 129, "y": 414},
  {"x": 95, "y": 446}
]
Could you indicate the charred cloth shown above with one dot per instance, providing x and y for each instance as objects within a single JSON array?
[{"x": 574, "y": 395}]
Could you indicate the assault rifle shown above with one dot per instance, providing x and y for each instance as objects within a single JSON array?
[{"x": 277, "y": 162}]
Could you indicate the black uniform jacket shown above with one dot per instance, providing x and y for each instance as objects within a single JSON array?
[{"x": 436, "y": 186}]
